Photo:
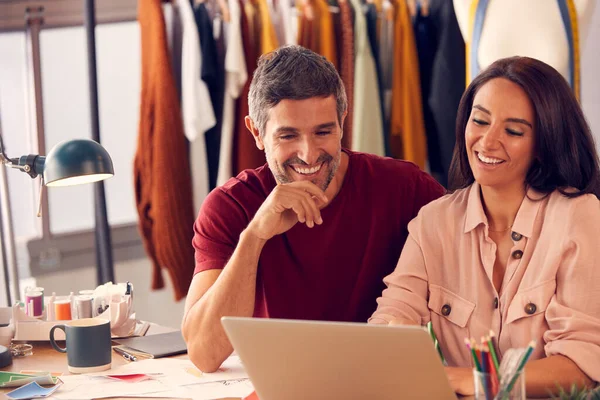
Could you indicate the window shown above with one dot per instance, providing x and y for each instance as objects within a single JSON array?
[{"x": 66, "y": 115}]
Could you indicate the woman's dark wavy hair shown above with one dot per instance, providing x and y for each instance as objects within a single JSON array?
[{"x": 564, "y": 147}]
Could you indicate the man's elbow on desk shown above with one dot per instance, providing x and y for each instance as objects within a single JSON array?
[{"x": 205, "y": 354}]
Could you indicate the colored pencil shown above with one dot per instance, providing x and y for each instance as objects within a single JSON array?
[
  {"x": 468, "y": 342},
  {"x": 495, "y": 381},
  {"x": 521, "y": 366},
  {"x": 493, "y": 351},
  {"x": 485, "y": 373},
  {"x": 436, "y": 343}
]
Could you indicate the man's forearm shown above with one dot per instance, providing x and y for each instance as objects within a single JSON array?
[
  {"x": 545, "y": 376},
  {"x": 232, "y": 294}
]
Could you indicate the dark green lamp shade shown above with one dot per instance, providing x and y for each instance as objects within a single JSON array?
[{"x": 77, "y": 161}]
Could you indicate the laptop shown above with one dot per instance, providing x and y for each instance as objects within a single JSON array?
[{"x": 294, "y": 359}]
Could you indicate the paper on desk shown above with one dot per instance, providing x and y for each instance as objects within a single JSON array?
[
  {"x": 180, "y": 372},
  {"x": 167, "y": 374},
  {"x": 31, "y": 391},
  {"x": 131, "y": 378},
  {"x": 78, "y": 387},
  {"x": 218, "y": 390},
  {"x": 10, "y": 379}
]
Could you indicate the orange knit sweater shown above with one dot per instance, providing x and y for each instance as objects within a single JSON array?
[{"x": 163, "y": 185}]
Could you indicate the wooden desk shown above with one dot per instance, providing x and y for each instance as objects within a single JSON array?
[{"x": 45, "y": 358}]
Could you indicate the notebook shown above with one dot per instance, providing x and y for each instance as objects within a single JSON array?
[{"x": 161, "y": 345}]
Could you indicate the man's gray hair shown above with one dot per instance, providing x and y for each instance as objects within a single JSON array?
[{"x": 294, "y": 73}]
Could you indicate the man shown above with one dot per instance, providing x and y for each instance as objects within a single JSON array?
[{"x": 311, "y": 234}]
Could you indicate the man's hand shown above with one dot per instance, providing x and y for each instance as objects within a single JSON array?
[
  {"x": 286, "y": 205},
  {"x": 461, "y": 380}
]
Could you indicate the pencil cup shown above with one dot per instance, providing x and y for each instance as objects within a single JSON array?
[{"x": 487, "y": 387}]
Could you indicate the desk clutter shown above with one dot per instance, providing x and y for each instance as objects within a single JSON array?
[
  {"x": 152, "y": 346},
  {"x": 173, "y": 378},
  {"x": 29, "y": 384},
  {"x": 34, "y": 317},
  {"x": 12, "y": 379},
  {"x": 166, "y": 377}
]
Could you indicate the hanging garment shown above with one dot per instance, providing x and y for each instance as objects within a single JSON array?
[
  {"x": 197, "y": 108},
  {"x": 268, "y": 38},
  {"x": 174, "y": 37},
  {"x": 213, "y": 74},
  {"x": 327, "y": 38},
  {"x": 316, "y": 30},
  {"x": 236, "y": 76},
  {"x": 347, "y": 66},
  {"x": 367, "y": 126},
  {"x": 425, "y": 39},
  {"x": 282, "y": 19},
  {"x": 247, "y": 155},
  {"x": 251, "y": 51},
  {"x": 378, "y": 4},
  {"x": 308, "y": 27},
  {"x": 407, "y": 130},
  {"x": 161, "y": 165},
  {"x": 372, "y": 17},
  {"x": 386, "y": 60},
  {"x": 447, "y": 85},
  {"x": 568, "y": 14}
]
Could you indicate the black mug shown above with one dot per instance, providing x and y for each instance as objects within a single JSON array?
[{"x": 88, "y": 344}]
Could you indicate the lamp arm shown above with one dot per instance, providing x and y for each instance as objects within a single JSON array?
[
  {"x": 3, "y": 157},
  {"x": 32, "y": 165}
]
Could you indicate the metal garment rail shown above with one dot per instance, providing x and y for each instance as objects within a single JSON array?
[{"x": 64, "y": 13}]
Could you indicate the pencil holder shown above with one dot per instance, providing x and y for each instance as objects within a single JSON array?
[{"x": 487, "y": 387}]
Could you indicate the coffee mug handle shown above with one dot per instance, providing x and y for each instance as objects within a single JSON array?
[{"x": 53, "y": 342}]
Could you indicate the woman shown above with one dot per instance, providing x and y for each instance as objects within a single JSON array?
[{"x": 515, "y": 247}]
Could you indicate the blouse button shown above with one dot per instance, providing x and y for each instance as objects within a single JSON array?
[
  {"x": 530, "y": 308},
  {"x": 446, "y": 310},
  {"x": 495, "y": 302},
  {"x": 516, "y": 236},
  {"x": 517, "y": 254}
]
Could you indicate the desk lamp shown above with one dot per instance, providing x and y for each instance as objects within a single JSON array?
[{"x": 71, "y": 162}]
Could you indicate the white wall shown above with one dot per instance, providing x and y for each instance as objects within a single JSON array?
[{"x": 590, "y": 80}]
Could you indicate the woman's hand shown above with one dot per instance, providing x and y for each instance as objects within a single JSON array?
[
  {"x": 461, "y": 380},
  {"x": 402, "y": 321}
]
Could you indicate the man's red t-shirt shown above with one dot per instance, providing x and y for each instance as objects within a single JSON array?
[{"x": 333, "y": 271}]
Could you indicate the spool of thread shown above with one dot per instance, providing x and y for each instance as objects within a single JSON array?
[
  {"x": 39, "y": 289},
  {"x": 35, "y": 302},
  {"x": 50, "y": 313},
  {"x": 83, "y": 305},
  {"x": 62, "y": 310}
]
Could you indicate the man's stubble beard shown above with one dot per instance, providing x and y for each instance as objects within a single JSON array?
[{"x": 282, "y": 175}]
